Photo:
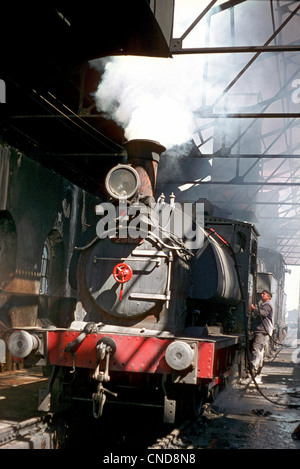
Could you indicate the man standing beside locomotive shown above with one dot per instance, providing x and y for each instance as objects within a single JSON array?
[{"x": 262, "y": 326}]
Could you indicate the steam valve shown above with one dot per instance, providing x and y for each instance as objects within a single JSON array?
[{"x": 122, "y": 273}]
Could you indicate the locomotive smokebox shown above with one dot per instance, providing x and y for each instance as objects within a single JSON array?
[{"x": 144, "y": 156}]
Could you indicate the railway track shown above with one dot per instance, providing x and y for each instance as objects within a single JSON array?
[
  {"x": 171, "y": 440},
  {"x": 181, "y": 436},
  {"x": 34, "y": 433},
  {"x": 188, "y": 431}
]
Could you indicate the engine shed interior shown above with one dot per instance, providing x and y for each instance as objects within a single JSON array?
[{"x": 66, "y": 76}]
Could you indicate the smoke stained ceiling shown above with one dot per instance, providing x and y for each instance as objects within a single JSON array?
[
  {"x": 50, "y": 111},
  {"x": 242, "y": 54}
]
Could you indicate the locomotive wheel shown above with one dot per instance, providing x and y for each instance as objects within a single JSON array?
[
  {"x": 214, "y": 393},
  {"x": 189, "y": 404},
  {"x": 197, "y": 403}
]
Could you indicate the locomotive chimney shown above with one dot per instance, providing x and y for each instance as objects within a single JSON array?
[{"x": 144, "y": 156}]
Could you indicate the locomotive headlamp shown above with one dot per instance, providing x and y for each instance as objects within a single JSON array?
[
  {"x": 179, "y": 355},
  {"x": 122, "y": 181},
  {"x": 21, "y": 344}
]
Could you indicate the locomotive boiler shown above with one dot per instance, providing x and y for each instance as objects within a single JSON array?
[{"x": 163, "y": 294}]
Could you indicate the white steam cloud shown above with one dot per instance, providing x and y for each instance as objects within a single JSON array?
[
  {"x": 152, "y": 98},
  {"x": 159, "y": 98}
]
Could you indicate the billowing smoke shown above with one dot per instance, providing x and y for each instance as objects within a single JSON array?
[{"x": 152, "y": 98}]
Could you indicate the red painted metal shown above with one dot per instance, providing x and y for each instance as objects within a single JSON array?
[
  {"x": 206, "y": 352},
  {"x": 134, "y": 353},
  {"x": 122, "y": 273}
]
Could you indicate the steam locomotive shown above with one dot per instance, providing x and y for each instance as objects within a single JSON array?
[{"x": 160, "y": 319}]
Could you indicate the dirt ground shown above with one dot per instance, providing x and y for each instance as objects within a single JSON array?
[{"x": 19, "y": 391}]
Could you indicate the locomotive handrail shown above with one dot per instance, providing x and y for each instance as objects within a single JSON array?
[
  {"x": 150, "y": 296},
  {"x": 116, "y": 259},
  {"x": 127, "y": 258}
]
